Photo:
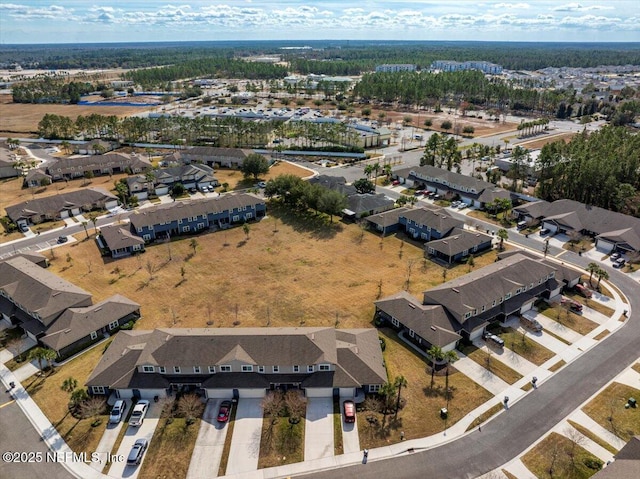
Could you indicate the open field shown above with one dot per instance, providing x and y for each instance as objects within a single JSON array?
[
  {"x": 236, "y": 181},
  {"x": 420, "y": 417},
  {"x": 539, "y": 142},
  {"x": 559, "y": 456},
  {"x": 608, "y": 410},
  {"x": 46, "y": 392},
  {"x": 290, "y": 271},
  {"x": 23, "y": 118}
]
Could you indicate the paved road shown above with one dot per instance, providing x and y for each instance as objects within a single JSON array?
[
  {"x": 18, "y": 435},
  {"x": 509, "y": 434}
]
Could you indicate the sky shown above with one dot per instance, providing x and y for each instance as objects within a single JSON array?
[{"x": 87, "y": 21}]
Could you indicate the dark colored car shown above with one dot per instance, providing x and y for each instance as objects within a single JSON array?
[
  {"x": 349, "y": 409},
  {"x": 544, "y": 231},
  {"x": 137, "y": 451},
  {"x": 224, "y": 411},
  {"x": 62, "y": 239}
]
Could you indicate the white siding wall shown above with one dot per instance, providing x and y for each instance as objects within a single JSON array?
[
  {"x": 526, "y": 306},
  {"x": 219, "y": 393},
  {"x": 477, "y": 334},
  {"x": 319, "y": 392}
]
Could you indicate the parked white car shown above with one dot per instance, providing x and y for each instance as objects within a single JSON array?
[{"x": 138, "y": 413}]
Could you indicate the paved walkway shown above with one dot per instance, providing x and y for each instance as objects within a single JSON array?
[
  {"x": 245, "y": 443},
  {"x": 581, "y": 417},
  {"x": 508, "y": 357},
  {"x": 518, "y": 469},
  {"x": 583, "y": 441},
  {"x": 146, "y": 430},
  {"x": 555, "y": 327},
  {"x": 318, "y": 425},
  {"x": 27, "y": 370},
  {"x": 480, "y": 375},
  {"x": 207, "y": 453}
]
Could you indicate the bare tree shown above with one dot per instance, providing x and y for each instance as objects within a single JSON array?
[
  {"x": 296, "y": 405},
  {"x": 93, "y": 407},
  {"x": 576, "y": 440},
  {"x": 272, "y": 405},
  {"x": 372, "y": 403},
  {"x": 410, "y": 264},
  {"x": 190, "y": 406},
  {"x": 150, "y": 267}
]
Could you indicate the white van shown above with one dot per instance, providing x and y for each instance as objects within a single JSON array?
[{"x": 521, "y": 225}]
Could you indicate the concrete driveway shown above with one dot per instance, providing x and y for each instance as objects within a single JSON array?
[
  {"x": 120, "y": 469},
  {"x": 350, "y": 438},
  {"x": 207, "y": 453},
  {"x": 105, "y": 446},
  {"x": 245, "y": 443},
  {"x": 318, "y": 433}
]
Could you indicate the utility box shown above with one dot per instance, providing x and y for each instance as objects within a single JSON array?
[
  {"x": 631, "y": 402},
  {"x": 444, "y": 413}
]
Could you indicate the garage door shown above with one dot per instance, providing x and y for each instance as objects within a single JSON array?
[
  {"x": 251, "y": 393},
  {"x": 219, "y": 393},
  {"x": 64, "y": 214},
  {"x": 319, "y": 392}
]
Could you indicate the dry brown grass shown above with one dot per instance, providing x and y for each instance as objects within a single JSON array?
[
  {"x": 170, "y": 449},
  {"x": 236, "y": 181},
  {"x": 306, "y": 273},
  {"x": 281, "y": 443},
  {"x": 420, "y": 417},
  {"x": 568, "y": 318},
  {"x": 78, "y": 434},
  {"x": 554, "y": 367},
  {"x": 607, "y": 409},
  {"x": 603, "y": 334},
  {"x": 636, "y": 367},
  {"x": 485, "y": 416},
  {"x": 24, "y": 117},
  {"x": 591, "y": 435},
  {"x": 551, "y": 458},
  {"x": 540, "y": 142}
]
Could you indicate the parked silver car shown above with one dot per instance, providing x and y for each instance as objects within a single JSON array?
[
  {"x": 117, "y": 411},
  {"x": 137, "y": 451},
  {"x": 138, "y": 413}
]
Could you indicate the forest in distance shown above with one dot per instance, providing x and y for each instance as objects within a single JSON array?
[{"x": 328, "y": 57}]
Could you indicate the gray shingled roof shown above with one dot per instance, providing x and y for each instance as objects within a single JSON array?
[
  {"x": 39, "y": 290},
  {"x": 430, "y": 322},
  {"x": 119, "y": 236},
  {"x": 76, "y": 323},
  {"x": 458, "y": 241},
  {"x": 479, "y": 288},
  {"x": 387, "y": 218},
  {"x": 183, "y": 209},
  {"x": 97, "y": 162},
  {"x": 356, "y": 352},
  {"x": 563, "y": 272},
  {"x": 362, "y": 203},
  {"x": 438, "y": 219},
  {"x": 55, "y": 203}
]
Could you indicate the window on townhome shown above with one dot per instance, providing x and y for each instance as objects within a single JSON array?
[
  {"x": 310, "y": 368},
  {"x": 507, "y": 296},
  {"x": 179, "y": 222},
  {"x": 324, "y": 367},
  {"x": 93, "y": 335},
  {"x": 139, "y": 230},
  {"x": 162, "y": 369},
  {"x": 467, "y": 315},
  {"x": 97, "y": 389},
  {"x": 196, "y": 370},
  {"x": 552, "y": 274},
  {"x": 235, "y": 218},
  {"x": 186, "y": 229},
  {"x": 500, "y": 300},
  {"x": 146, "y": 237},
  {"x": 113, "y": 324},
  {"x": 395, "y": 322},
  {"x": 296, "y": 368},
  {"x": 249, "y": 215},
  {"x": 225, "y": 368},
  {"x": 518, "y": 291},
  {"x": 176, "y": 369},
  {"x": 412, "y": 333},
  {"x": 374, "y": 388},
  {"x": 212, "y": 369},
  {"x": 260, "y": 369},
  {"x": 247, "y": 368},
  {"x": 148, "y": 369}
]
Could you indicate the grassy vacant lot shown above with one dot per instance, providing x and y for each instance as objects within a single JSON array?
[
  {"x": 78, "y": 434},
  {"x": 236, "y": 181},
  {"x": 540, "y": 142},
  {"x": 289, "y": 271},
  {"x": 558, "y": 456},
  {"x": 567, "y": 318},
  {"x": 420, "y": 417},
  {"x": 608, "y": 410},
  {"x": 281, "y": 443},
  {"x": 525, "y": 347},
  {"x": 495, "y": 366},
  {"x": 170, "y": 449}
]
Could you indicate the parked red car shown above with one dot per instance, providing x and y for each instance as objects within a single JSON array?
[
  {"x": 224, "y": 411},
  {"x": 349, "y": 411},
  {"x": 583, "y": 291}
]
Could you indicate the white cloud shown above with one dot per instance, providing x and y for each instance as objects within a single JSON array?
[
  {"x": 577, "y": 7},
  {"x": 519, "y": 6},
  {"x": 51, "y": 12}
]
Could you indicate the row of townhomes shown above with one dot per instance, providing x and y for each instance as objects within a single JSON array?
[
  {"x": 463, "y": 307},
  {"x": 209, "y": 155},
  {"x": 243, "y": 362},
  {"x": 471, "y": 190},
  {"x": 612, "y": 231},
  {"x": 56, "y": 313},
  {"x": 55, "y": 207},
  {"x": 96, "y": 165},
  {"x": 181, "y": 217},
  {"x": 160, "y": 181},
  {"x": 446, "y": 239}
]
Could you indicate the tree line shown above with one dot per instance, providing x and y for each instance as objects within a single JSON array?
[
  {"x": 600, "y": 169},
  {"x": 50, "y": 90}
]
